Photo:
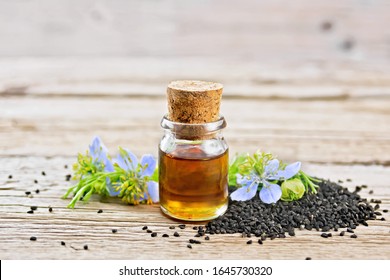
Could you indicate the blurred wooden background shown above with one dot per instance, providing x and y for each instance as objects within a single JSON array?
[{"x": 306, "y": 80}]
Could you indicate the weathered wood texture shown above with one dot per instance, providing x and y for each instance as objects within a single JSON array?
[
  {"x": 84, "y": 225},
  {"x": 294, "y": 85}
]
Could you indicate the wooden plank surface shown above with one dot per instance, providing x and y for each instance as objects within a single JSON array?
[
  {"x": 305, "y": 80},
  {"x": 335, "y": 140}
]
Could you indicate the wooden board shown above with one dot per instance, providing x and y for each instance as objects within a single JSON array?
[{"x": 334, "y": 139}]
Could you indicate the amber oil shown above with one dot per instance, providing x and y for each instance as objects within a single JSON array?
[{"x": 193, "y": 185}]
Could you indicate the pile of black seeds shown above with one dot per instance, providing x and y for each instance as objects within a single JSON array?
[{"x": 333, "y": 207}]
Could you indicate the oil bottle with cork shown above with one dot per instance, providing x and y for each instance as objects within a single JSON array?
[{"x": 193, "y": 154}]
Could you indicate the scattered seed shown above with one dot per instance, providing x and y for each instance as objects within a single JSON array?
[
  {"x": 165, "y": 235},
  {"x": 145, "y": 228},
  {"x": 189, "y": 246},
  {"x": 342, "y": 233},
  {"x": 349, "y": 180},
  {"x": 149, "y": 231},
  {"x": 68, "y": 177},
  {"x": 207, "y": 238},
  {"x": 376, "y": 207},
  {"x": 36, "y": 181},
  {"x": 176, "y": 234},
  {"x": 62, "y": 243},
  {"x": 350, "y": 230},
  {"x": 249, "y": 242},
  {"x": 383, "y": 219},
  {"x": 385, "y": 210},
  {"x": 50, "y": 209},
  {"x": 172, "y": 227},
  {"x": 85, "y": 247},
  {"x": 27, "y": 193},
  {"x": 324, "y": 235},
  {"x": 340, "y": 181},
  {"x": 66, "y": 166},
  {"x": 182, "y": 226},
  {"x": 34, "y": 208},
  {"x": 154, "y": 234},
  {"x": 260, "y": 242},
  {"x": 326, "y": 25},
  {"x": 37, "y": 191},
  {"x": 33, "y": 238},
  {"x": 100, "y": 211},
  {"x": 348, "y": 44},
  {"x": 114, "y": 230},
  {"x": 195, "y": 228},
  {"x": 371, "y": 192},
  {"x": 9, "y": 176},
  {"x": 308, "y": 259},
  {"x": 197, "y": 235},
  {"x": 43, "y": 173},
  {"x": 353, "y": 236},
  {"x": 364, "y": 223},
  {"x": 30, "y": 212},
  {"x": 193, "y": 241},
  {"x": 329, "y": 235}
]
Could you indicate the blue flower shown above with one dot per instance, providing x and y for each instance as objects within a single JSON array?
[
  {"x": 129, "y": 162},
  {"x": 99, "y": 154},
  {"x": 270, "y": 192}
]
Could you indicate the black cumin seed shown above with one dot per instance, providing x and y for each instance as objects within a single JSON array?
[
  {"x": 36, "y": 191},
  {"x": 329, "y": 235},
  {"x": 332, "y": 208},
  {"x": 383, "y": 219},
  {"x": 149, "y": 231},
  {"x": 145, "y": 228},
  {"x": 197, "y": 235},
  {"x": 165, "y": 235},
  {"x": 378, "y": 213},
  {"x": 43, "y": 173},
  {"x": 195, "y": 228},
  {"x": 324, "y": 235},
  {"x": 308, "y": 259},
  {"x": 154, "y": 234},
  {"x": 85, "y": 247},
  {"x": 189, "y": 246},
  {"x": 342, "y": 233},
  {"x": 340, "y": 181},
  {"x": 62, "y": 243},
  {"x": 36, "y": 181},
  {"x": 371, "y": 192},
  {"x": 68, "y": 177},
  {"x": 326, "y": 25},
  {"x": 50, "y": 209},
  {"x": 9, "y": 176},
  {"x": 207, "y": 238},
  {"x": 172, "y": 227},
  {"x": 353, "y": 236},
  {"x": 350, "y": 230},
  {"x": 385, "y": 210},
  {"x": 33, "y": 207},
  {"x": 260, "y": 242},
  {"x": 176, "y": 234},
  {"x": 33, "y": 238},
  {"x": 66, "y": 166},
  {"x": 100, "y": 211},
  {"x": 27, "y": 193},
  {"x": 114, "y": 230},
  {"x": 349, "y": 180},
  {"x": 249, "y": 242},
  {"x": 182, "y": 226},
  {"x": 376, "y": 207},
  {"x": 30, "y": 212}
]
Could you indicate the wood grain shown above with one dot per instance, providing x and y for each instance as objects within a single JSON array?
[{"x": 83, "y": 225}]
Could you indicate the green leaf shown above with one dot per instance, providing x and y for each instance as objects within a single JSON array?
[
  {"x": 234, "y": 168},
  {"x": 292, "y": 189}
]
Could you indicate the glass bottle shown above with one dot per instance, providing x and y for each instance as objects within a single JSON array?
[{"x": 193, "y": 170}]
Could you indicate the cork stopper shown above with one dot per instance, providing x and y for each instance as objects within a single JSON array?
[{"x": 194, "y": 102}]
